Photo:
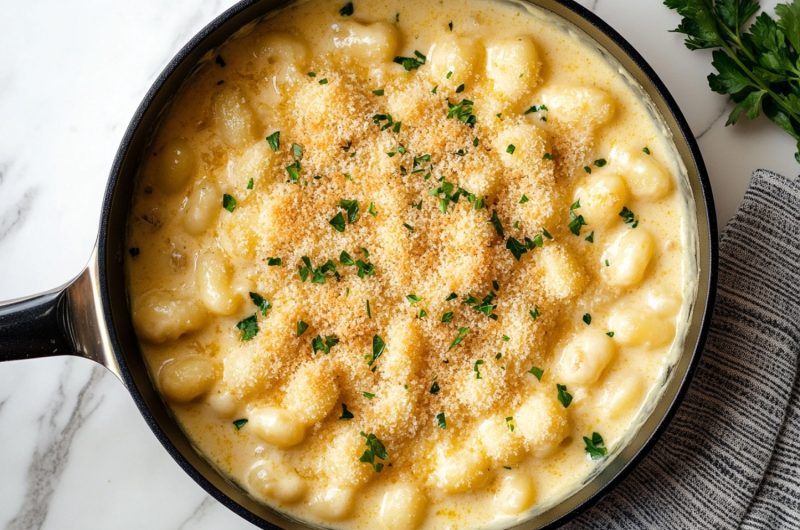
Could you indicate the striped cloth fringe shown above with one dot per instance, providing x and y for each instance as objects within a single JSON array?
[{"x": 731, "y": 456}]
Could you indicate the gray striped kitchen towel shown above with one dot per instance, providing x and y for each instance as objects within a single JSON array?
[{"x": 731, "y": 456}]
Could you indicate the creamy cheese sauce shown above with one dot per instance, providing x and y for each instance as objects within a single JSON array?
[{"x": 408, "y": 293}]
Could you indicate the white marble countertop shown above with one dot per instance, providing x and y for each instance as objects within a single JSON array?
[{"x": 76, "y": 453}]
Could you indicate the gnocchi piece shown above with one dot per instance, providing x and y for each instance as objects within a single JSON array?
[
  {"x": 187, "y": 378},
  {"x": 512, "y": 66},
  {"x": 646, "y": 177},
  {"x": 584, "y": 358},
  {"x": 623, "y": 396},
  {"x": 664, "y": 304},
  {"x": 402, "y": 507},
  {"x": 542, "y": 421},
  {"x": 499, "y": 442},
  {"x": 625, "y": 261},
  {"x": 453, "y": 59},
  {"x": 530, "y": 144},
  {"x": 641, "y": 327},
  {"x": 175, "y": 165},
  {"x": 563, "y": 277},
  {"x": 460, "y": 469},
  {"x": 277, "y": 426},
  {"x": 516, "y": 493},
  {"x": 202, "y": 208},
  {"x": 273, "y": 481},
  {"x": 602, "y": 199},
  {"x": 233, "y": 116},
  {"x": 282, "y": 55},
  {"x": 213, "y": 277},
  {"x": 366, "y": 43},
  {"x": 579, "y": 105},
  {"x": 162, "y": 315},
  {"x": 312, "y": 392},
  {"x": 404, "y": 350},
  {"x": 339, "y": 462},
  {"x": 222, "y": 402},
  {"x": 334, "y": 503}
]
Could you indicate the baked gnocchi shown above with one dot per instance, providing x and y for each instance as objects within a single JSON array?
[{"x": 409, "y": 268}]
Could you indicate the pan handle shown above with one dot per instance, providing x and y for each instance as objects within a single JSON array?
[
  {"x": 36, "y": 326},
  {"x": 65, "y": 321}
]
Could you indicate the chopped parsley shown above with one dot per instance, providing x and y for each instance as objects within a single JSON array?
[
  {"x": 595, "y": 446},
  {"x": 319, "y": 274},
  {"x": 451, "y": 296},
  {"x": 337, "y": 222},
  {"x": 368, "y": 395},
  {"x": 462, "y": 332},
  {"x": 534, "y": 313},
  {"x": 523, "y": 199},
  {"x": 323, "y": 81},
  {"x": 537, "y": 372},
  {"x": 510, "y": 149},
  {"x": 484, "y": 306},
  {"x": 369, "y": 310},
  {"x": 441, "y": 421},
  {"x": 347, "y": 9},
  {"x": 629, "y": 217},
  {"x": 460, "y": 88},
  {"x": 229, "y": 202},
  {"x": 548, "y": 156},
  {"x": 587, "y": 319},
  {"x": 435, "y": 388},
  {"x": 371, "y": 210},
  {"x": 590, "y": 237},
  {"x": 575, "y": 221},
  {"x": 383, "y": 121},
  {"x": 274, "y": 262},
  {"x": 600, "y": 162},
  {"x": 261, "y": 303},
  {"x": 301, "y": 327},
  {"x": 248, "y": 328},
  {"x": 610, "y": 333},
  {"x": 536, "y": 108},
  {"x": 498, "y": 226},
  {"x": 351, "y": 207},
  {"x": 587, "y": 169},
  {"x": 411, "y": 63},
  {"x": 516, "y": 247},
  {"x": 510, "y": 423},
  {"x": 408, "y": 227},
  {"x": 312, "y": 74},
  {"x": 646, "y": 150},
  {"x": 462, "y": 111},
  {"x": 297, "y": 151},
  {"x": 447, "y": 317},
  {"x": 274, "y": 139},
  {"x": 346, "y": 414},
  {"x": 563, "y": 396},
  {"x": 378, "y": 346},
  {"x": 238, "y": 424},
  {"x": 378, "y": 92},
  {"x": 293, "y": 170},
  {"x": 413, "y": 299},
  {"x": 477, "y": 368},
  {"x": 250, "y": 184},
  {"x": 375, "y": 450},
  {"x": 422, "y": 314},
  {"x": 325, "y": 344}
]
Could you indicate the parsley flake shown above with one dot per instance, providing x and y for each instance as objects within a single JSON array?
[
  {"x": 346, "y": 414},
  {"x": 378, "y": 347},
  {"x": 325, "y": 344},
  {"x": 238, "y": 424},
  {"x": 575, "y": 221},
  {"x": 274, "y": 262},
  {"x": 595, "y": 446},
  {"x": 477, "y": 368},
  {"x": 261, "y": 303},
  {"x": 441, "y": 421},
  {"x": 375, "y": 450},
  {"x": 248, "y": 328},
  {"x": 537, "y": 372},
  {"x": 229, "y": 202},
  {"x": 301, "y": 327},
  {"x": 435, "y": 388},
  {"x": 347, "y": 9},
  {"x": 462, "y": 332},
  {"x": 411, "y": 63},
  {"x": 628, "y": 217},
  {"x": 274, "y": 139},
  {"x": 587, "y": 319},
  {"x": 563, "y": 396}
]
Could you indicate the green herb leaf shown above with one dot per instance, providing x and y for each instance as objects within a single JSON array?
[
  {"x": 238, "y": 424},
  {"x": 510, "y": 423},
  {"x": 563, "y": 396},
  {"x": 228, "y": 202},
  {"x": 441, "y": 421},
  {"x": 587, "y": 319},
  {"x": 575, "y": 221},
  {"x": 248, "y": 328},
  {"x": 368, "y": 395},
  {"x": 325, "y": 344},
  {"x": 378, "y": 92},
  {"x": 477, "y": 368},
  {"x": 510, "y": 149},
  {"x": 346, "y": 414},
  {"x": 534, "y": 313},
  {"x": 462, "y": 332},
  {"x": 375, "y": 450},
  {"x": 610, "y": 333},
  {"x": 629, "y": 217},
  {"x": 261, "y": 303},
  {"x": 595, "y": 447},
  {"x": 337, "y": 222},
  {"x": 250, "y": 184},
  {"x": 412, "y": 298},
  {"x": 274, "y": 139},
  {"x": 600, "y": 162},
  {"x": 297, "y": 151},
  {"x": 378, "y": 346},
  {"x": 523, "y": 199},
  {"x": 371, "y": 210},
  {"x": 411, "y": 63},
  {"x": 347, "y": 9},
  {"x": 301, "y": 327},
  {"x": 462, "y": 111},
  {"x": 293, "y": 170},
  {"x": 537, "y": 372},
  {"x": 435, "y": 388}
]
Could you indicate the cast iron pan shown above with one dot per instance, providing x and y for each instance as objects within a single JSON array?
[{"x": 90, "y": 316}]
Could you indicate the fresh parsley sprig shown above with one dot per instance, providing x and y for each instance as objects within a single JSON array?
[{"x": 757, "y": 66}]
